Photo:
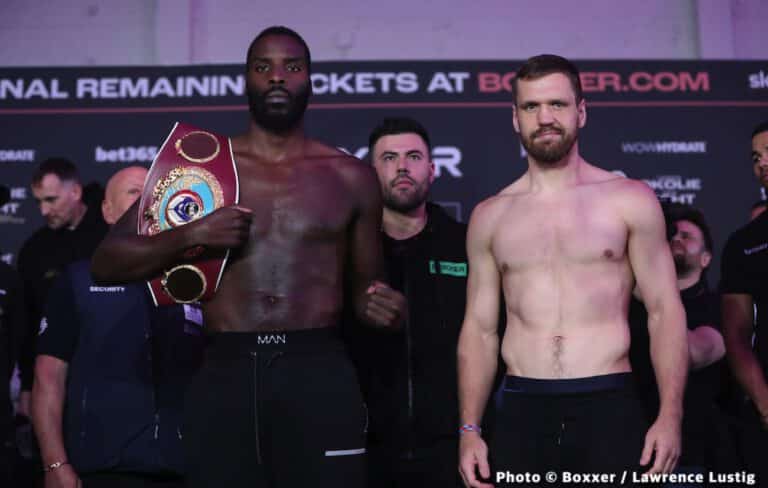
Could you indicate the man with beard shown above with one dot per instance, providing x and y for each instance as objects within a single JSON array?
[
  {"x": 277, "y": 402},
  {"x": 409, "y": 377},
  {"x": 744, "y": 301},
  {"x": 566, "y": 243}
]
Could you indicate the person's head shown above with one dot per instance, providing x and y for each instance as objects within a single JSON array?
[
  {"x": 760, "y": 152},
  {"x": 57, "y": 189},
  {"x": 757, "y": 209},
  {"x": 399, "y": 148},
  {"x": 123, "y": 189},
  {"x": 549, "y": 108},
  {"x": 691, "y": 244},
  {"x": 277, "y": 78}
]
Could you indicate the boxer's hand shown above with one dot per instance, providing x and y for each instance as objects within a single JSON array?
[
  {"x": 473, "y": 458},
  {"x": 663, "y": 443},
  {"x": 385, "y": 307},
  {"x": 226, "y": 227},
  {"x": 62, "y": 477}
]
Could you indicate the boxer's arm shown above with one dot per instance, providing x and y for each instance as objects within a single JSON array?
[
  {"x": 374, "y": 302},
  {"x": 653, "y": 267},
  {"x": 478, "y": 346},
  {"x": 705, "y": 346},
  {"x": 125, "y": 256},
  {"x": 652, "y": 264}
]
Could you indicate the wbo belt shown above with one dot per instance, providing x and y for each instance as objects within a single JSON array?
[{"x": 193, "y": 174}]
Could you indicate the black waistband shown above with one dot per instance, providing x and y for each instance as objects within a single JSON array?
[
  {"x": 518, "y": 384},
  {"x": 228, "y": 344}
]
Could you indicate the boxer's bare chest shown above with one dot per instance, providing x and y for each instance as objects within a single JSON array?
[{"x": 298, "y": 200}]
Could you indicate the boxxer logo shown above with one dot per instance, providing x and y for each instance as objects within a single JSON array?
[
  {"x": 127, "y": 154},
  {"x": 446, "y": 158}
]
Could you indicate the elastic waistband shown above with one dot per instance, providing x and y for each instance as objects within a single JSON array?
[
  {"x": 224, "y": 345},
  {"x": 518, "y": 384}
]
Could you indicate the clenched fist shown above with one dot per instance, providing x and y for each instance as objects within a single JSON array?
[
  {"x": 227, "y": 227},
  {"x": 385, "y": 307}
]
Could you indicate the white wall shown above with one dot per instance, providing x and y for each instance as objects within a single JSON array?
[{"x": 147, "y": 32}]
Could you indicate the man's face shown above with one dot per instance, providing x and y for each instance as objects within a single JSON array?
[
  {"x": 405, "y": 171},
  {"x": 547, "y": 117},
  {"x": 760, "y": 157},
  {"x": 689, "y": 249},
  {"x": 123, "y": 189},
  {"x": 277, "y": 83},
  {"x": 58, "y": 200}
]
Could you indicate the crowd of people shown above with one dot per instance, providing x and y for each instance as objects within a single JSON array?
[{"x": 361, "y": 336}]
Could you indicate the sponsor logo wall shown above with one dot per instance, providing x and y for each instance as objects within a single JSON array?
[{"x": 682, "y": 127}]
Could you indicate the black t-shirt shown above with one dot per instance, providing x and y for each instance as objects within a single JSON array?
[
  {"x": 744, "y": 270},
  {"x": 58, "y": 331},
  {"x": 702, "y": 307}
]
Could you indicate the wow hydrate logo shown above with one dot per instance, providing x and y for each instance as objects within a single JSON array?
[
  {"x": 664, "y": 147},
  {"x": 17, "y": 155},
  {"x": 610, "y": 81}
]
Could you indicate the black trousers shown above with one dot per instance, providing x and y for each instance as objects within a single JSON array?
[
  {"x": 129, "y": 480},
  {"x": 275, "y": 410},
  {"x": 586, "y": 425},
  {"x": 436, "y": 465}
]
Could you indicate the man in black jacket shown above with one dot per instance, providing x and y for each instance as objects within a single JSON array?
[
  {"x": 409, "y": 376},
  {"x": 72, "y": 232}
]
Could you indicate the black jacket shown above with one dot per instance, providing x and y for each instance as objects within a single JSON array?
[
  {"x": 409, "y": 376},
  {"x": 41, "y": 259}
]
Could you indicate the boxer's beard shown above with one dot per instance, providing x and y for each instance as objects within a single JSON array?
[
  {"x": 552, "y": 152},
  {"x": 404, "y": 202},
  {"x": 278, "y": 117}
]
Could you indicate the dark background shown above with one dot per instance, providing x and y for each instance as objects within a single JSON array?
[{"x": 714, "y": 103}]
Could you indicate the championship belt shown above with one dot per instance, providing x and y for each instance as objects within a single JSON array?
[{"x": 192, "y": 175}]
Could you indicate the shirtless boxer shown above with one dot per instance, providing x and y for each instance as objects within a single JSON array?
[
  {"x": 277, "y": 402},
  {"x": 566, "y": 243}
]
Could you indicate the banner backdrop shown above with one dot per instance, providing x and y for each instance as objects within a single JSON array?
[{"x": 683, "y": 127}]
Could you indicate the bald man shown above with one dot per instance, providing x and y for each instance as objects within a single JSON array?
[{"x": 110, "y": 374}]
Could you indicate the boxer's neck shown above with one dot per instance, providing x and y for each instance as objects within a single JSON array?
[
  {"x": 276, "y": 146},
  {"x": 401, "y": 226}
]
